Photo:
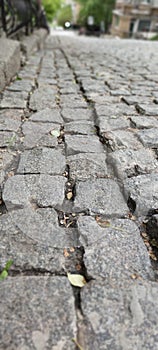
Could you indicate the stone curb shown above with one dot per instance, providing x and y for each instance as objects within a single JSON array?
[{"x": 11, "y": 54}]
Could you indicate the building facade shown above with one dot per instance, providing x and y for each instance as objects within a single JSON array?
[{"x": 135, "y": 18}]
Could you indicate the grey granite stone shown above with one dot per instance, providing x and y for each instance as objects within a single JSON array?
[
  {"x": 42, "y": 227},
  {"x": 121, "y": 139},
  {"x": 14, "y": 99},
  {"x": 6, "y": 160},
  {"x": 21, "y": 85},
  {"x": 8, "y": 139},
  {"x": 143, "y": 190},
  {"x": 119, "y": 318},
  {"x": 148, "y": 110},
  {"x": 80, "y": 127},
  {"x": 35, "y": 132},
  {"x": 82, "y": 144},
  {"x": 128, "y": 163},
  {"x": 9, "y": 124},
  {"x": 45, "y": 190},
  {"x": 35, "y": 242},
  {"x": 70, "y": 114},
  {"x": 16, "y": 114},
  {"x": 43, "y": 98},
  {"x": 73, "y": 103},
  {"x": 43, "y": 161},
  {"x": 32, "y": 314},
  {"x": 119, "y": 246},
  {"x": 118, "y": 110},
  {"x": 112, "y": 123},
  {"x": 144, "y": 122},
  {"x": 47, "y": 116},
  {"x": 149, "y": 138},
  {"x": 100, "y": 196},
  {"x": 9, "y": 60},
  {"x": 85, "y": 166}
]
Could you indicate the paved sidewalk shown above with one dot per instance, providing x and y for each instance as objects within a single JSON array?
[{"x": 79, "y": 180}]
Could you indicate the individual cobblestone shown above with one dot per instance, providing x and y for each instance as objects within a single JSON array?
[
  {"x": 43, "y": 161},
  {"x": 143, "y": 191},
  {"x": 128, "y": 163},
  {"x": 45, "y": 190},
  {"x": 107, "y": 239},
  {"x": 119, "y": 317},
  {"x": 149, "y": 138},
  {"x": 47, "y": 116},
  {"x": 100, "y": 196},
  {"x": 48, "y": 326},
  {"x": 82, "y": 144},
  {"x": 80, "y": 127},
  {"x": 89, "y": 165},
  {"x": 35, "y": 134},
  {"x": 69, "y": 114},
  {"x": 44, "y": 97}
]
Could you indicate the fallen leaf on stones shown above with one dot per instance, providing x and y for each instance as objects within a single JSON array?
[
  {"x": 72, "y": 249},
  {"x": 102, "y": 223},
  {"x": 77, "y": 344},
  {"x": 66, "y": 254},
  {"x": 69, "y": 195},
  {"x": 3, "y": 275},
  {"x": 55, "y": 133},
  {"x": 76, "y": 280},
  {"x": 135, "y": 276}
]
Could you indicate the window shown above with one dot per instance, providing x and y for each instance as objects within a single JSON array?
[{"x": 144, "y": 25}]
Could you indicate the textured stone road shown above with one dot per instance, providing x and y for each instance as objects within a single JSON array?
[{"x": 79, "y": 183}]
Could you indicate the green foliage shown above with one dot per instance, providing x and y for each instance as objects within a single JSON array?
[
  {"x": 4, "y": 272},
  {"x": 51, "y": 7},
  {"x": 154, "y": 38},
  {"x": 64, "y": 15},
  {"x": 101, "y": 10}
]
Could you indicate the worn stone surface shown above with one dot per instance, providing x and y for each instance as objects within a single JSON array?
[
  {"x": 14, "y": 99},
  {"x": 47, "y": 116},
  {"x": 128, "y": 163},
  {"x": 144, "y": 122},
  {"x": 70, "y": 114},
  {"x": 80, "y": 127},
  {"x": 35, "y": 133},
  {"x": 9, "y": 60},
  {"x": 82, "y": 144},
  {"x": 116, "y": 110},
  {"x": 143, "y": 190},
  {"x": 121, "y": 139},
  {"x": 113, "y": 123},
  {"x": 107, "y": 239},
  {"x": 87, "y": 166},
  {"x": 42, "y": 325},
  {"x": 101, "y": 196},
  {"x": 42, "y": 98},
  {"x": 149, "y": 138},
  {"x": 120, "y": 317},
  {"x": 8, "y": 139},
  {"x": 42, "y": 161},
  {"x": 45, "y": 190}
]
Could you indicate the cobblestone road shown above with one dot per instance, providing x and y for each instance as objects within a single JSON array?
[{"x": 79, "y": 179}]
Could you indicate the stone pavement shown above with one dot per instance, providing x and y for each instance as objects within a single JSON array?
[{"x": 79, "y": 183}]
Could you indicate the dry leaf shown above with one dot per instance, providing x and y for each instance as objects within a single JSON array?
[
  {"x": 69, "y": 195},
  {"x": 55, "y": 133},
  {"x": 66, "y": 254},
  {"x": 76, "y": 280}
]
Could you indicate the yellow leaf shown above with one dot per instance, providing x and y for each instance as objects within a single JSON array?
[
  {"x": 76, "y": 280},
  {"x": 55, "y": 133},
  {"x": 69, "y": 195}
]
